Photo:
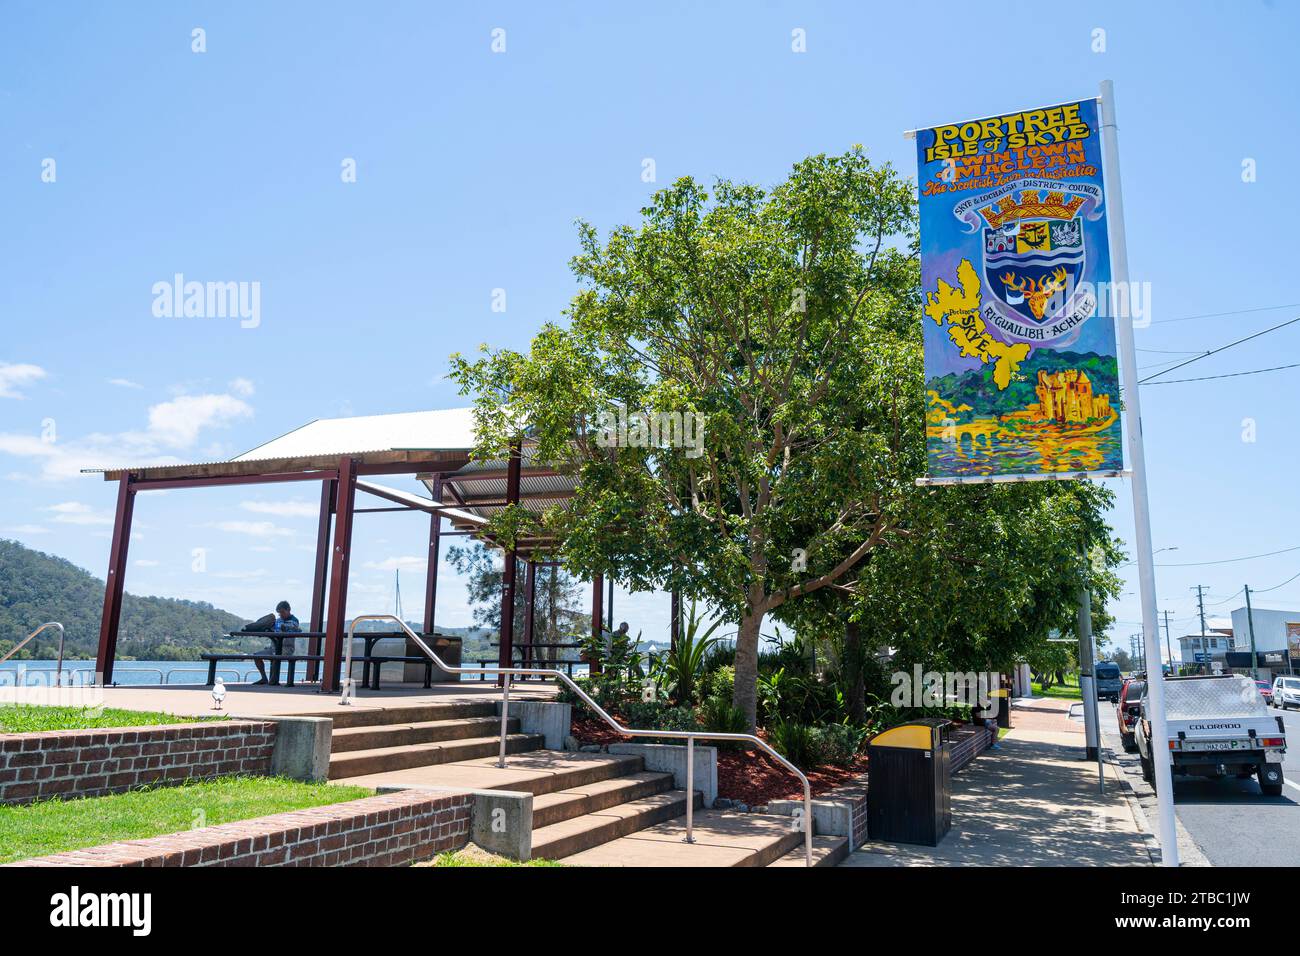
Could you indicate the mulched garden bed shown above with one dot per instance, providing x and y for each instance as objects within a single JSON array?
[
  {"x": 756, "y": 779},
  {"x": 745, "y": 776}
]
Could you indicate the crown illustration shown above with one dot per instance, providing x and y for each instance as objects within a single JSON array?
[{"x": 1028, "y": 205}]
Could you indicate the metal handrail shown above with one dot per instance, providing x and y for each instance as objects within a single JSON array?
[
  {"x": 689, "y": 736},
  {"x": 58, "y": 670}
]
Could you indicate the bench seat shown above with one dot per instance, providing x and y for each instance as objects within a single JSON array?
[{"x": 215, "y": 659}]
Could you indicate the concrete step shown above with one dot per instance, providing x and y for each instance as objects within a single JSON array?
[
  {"x": 560, "y": 805},
  {"x": 569, "y": 837},
  {"x": 386, "y": 759},
  {"x": 537, "y": 772},
  {"x": 377, "y": 736},
  {"x": 722, "y": 838},
  {"x": 826, "y": 851},
  {"x": 364, "y": 715}
]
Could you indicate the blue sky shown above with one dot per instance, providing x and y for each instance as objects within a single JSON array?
[{"x": 471, "y": 168}]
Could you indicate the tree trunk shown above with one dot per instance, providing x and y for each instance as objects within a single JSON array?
[
  {"x": 745, "y": 695},
  {"x": 854, "y": 680}
]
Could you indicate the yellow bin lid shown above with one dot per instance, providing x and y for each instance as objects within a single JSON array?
[{"x": 907, "y": 736}]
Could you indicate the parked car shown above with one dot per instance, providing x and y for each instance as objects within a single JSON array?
[
  {"x": 1216, "y": 726},
  {"x": 1265, "y": 690},
  {"x": 1129, "y": 708},
  {"x": 1286, "y": 692},
  {"x": 1108, "y": 680}
]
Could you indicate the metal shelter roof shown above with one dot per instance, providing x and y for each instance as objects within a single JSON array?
[{"x": 435, "y": 444}]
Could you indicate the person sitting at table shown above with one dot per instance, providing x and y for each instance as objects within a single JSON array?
[{"x": 282, "y": 621}]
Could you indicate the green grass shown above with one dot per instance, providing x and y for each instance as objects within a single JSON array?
[
  {"x": 30, "y": 718},
  {"x": 1067, "y": 691},
  {"x": 470, "y": 858},
  {"x": 53, "y": 826}
]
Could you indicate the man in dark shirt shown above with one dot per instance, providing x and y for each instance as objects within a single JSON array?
[{"x": 282, "y": 621}]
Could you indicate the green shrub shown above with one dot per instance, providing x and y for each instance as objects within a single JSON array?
[
  {"x": 796, "y": 742},
  {"x": 839, "y": 743},
  {"x": 644, "y": 715},
  {"x": 677, "y": 718},
  {"x": 720, "y": 683},
  {"x": 717, "y": 713}
]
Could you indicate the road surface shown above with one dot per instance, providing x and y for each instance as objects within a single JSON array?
[{"x": 1229, "y": 821}]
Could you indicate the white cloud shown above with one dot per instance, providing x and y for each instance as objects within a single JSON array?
[
  {"x": 177, "y": 423},
  {"x": 14, "y": 377},
  {"x": 407, "y": 563},
  {"x": 75, "y": 512},
  {"x": 241, "y": 387},
  {"x": 28, "y": 529},
  {"x": 124, "y": 383},
  {"x": 173, "y": 425},
  {"x": 283, "y": 509},
  {"x": 145, "y": 563},
  {"x": 258, "y": 529}
]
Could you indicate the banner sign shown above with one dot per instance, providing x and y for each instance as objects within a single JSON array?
[
  {"x": 1020, "y": 359},
  {"x": 1293, "y": 640}
]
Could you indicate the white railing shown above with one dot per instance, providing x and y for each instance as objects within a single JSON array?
[
  {"x": 58, "y": 671},
  {"x": 688, "y": 735}
]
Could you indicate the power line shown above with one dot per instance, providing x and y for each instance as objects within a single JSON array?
[
  {"x": 1249, "y": 557},
  {"x": 1221, "y": 348},
  {"x": 1216, "y": 315},
  {"x": 1227, "y": 599},
  {"x": 1276, "y": 586},
  {"x": 1206, "y": 378}
]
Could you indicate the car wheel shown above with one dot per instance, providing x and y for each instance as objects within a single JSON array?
[
  {"x": 1148, "y": 771},
  {"x": 1128, "y": 742},
  {"x": 1270, "y": 780}
]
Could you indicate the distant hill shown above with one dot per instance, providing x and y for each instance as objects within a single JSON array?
[
  {"x": 36, "y": 587},
  {"x": 977, "y": 389}
]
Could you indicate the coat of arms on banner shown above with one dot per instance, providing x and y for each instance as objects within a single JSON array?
[{"x": 1033, "y": 251}]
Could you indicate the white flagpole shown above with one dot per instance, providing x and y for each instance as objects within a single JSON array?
[{"x": 1120, "y": 300}]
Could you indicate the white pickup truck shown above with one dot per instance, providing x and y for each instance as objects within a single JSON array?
[{"x": 1217, "y": 726}]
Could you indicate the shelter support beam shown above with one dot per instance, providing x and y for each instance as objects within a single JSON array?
[
  {"x": 336, "y": 614},
  {"x": 320, "y": 576},
  {"x": 115, "y": 581}
]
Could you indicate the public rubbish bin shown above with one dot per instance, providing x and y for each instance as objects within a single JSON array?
[{"x": 909, "y": 783}]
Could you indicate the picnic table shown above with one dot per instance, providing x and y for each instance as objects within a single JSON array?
[{"x": 446, "y": 647}]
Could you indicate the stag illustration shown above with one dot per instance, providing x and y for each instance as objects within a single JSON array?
[{"x": 1037, "y": 293}]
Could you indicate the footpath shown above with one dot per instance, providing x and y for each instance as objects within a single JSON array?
[{"x": 1033, "y": 802}]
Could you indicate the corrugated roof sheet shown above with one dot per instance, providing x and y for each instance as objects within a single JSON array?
[{"x": 446, "y": 429}]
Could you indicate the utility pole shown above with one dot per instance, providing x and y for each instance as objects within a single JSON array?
[
  {"x": 1169, "y": 648},
  {"x": 1250, "y": 622},
  {"x": 1132, "y": 400},
  {"x": 1087, "y": 684},
  {"x": 1200, "y": 603}
]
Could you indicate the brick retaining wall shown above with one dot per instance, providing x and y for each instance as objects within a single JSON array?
[
  {"x": 393, "y": 829},
  {"x": 92, "y": 763}
]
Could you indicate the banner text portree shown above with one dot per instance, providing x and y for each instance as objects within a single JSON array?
[{"x": 1020, "y": 359}]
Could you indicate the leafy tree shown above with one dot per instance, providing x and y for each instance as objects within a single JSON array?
[
  {"x": 557, "y": 612},
  {"x": 976, "y": 579},
  {"x": 788, "y": 322}
]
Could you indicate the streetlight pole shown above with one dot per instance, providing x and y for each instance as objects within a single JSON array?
[{"x": 1137, "y": 463}]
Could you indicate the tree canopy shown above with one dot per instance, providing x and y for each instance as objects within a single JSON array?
[{"x": 785, "y": 324}]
